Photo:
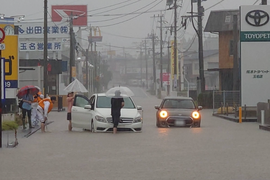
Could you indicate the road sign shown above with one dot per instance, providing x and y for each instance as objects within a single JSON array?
[
  {"x": 2, "y": 35},
  {"x": 2, "y": 46}
]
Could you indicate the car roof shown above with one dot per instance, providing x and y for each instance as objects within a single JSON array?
[{"x": 177, "y": 97}]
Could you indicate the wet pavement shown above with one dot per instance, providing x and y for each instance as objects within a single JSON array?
[{"x": 220, "y": 149}]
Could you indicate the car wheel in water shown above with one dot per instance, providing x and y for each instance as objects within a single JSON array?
[
  {"x": 197, "y": 124},
  {"x": 158, "y": 124}
]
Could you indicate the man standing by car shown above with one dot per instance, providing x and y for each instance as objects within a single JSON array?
[
  {"x": 117, "y": 102},
  {"x": 70, "y": 100}
]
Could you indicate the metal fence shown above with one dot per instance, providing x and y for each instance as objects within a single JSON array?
[{"x": 225, "y": 102}]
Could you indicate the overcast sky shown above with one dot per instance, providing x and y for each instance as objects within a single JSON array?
[{"x": 122, "y": 30}]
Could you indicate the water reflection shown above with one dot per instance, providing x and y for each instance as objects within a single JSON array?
[
  {"x": 196, "y": 130},
  {"x": 163, "y": 131}
]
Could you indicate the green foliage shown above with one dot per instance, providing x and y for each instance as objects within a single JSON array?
[{"x": 9, "y": 125}]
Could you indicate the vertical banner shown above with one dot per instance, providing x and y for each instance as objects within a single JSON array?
[{"x": 172, "y": 61}]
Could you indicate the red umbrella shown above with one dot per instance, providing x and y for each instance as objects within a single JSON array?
[{"x": 23, "y": 91}]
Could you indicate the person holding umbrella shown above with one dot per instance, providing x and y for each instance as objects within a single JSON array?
[
  {"x": 26, "y": 94},
  {"x": 26, "y": 108},
  {"x": 117, "y": 102}
]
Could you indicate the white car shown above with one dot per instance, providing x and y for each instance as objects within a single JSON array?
[{"x": 94, "y": 114}]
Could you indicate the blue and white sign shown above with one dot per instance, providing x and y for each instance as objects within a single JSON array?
[
  {"x": 39, "y": 46},
  {"x": 3, "y": 90},
  {"x": 36, "y": 30}
]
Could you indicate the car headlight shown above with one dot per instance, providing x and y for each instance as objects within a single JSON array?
[
  {"x": 163, "y": 114},
  {"x": 196, "y": 115},
  {"x": 137, "y": 119},
  {"x": 100, "y": 119}
]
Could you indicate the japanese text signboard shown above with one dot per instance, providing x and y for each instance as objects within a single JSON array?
[{"x": 255, "y": 63}]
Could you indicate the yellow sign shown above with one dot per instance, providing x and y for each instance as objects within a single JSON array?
[
  {"x": 11, "y": 61},
  {"x": 10, "y": 53},
  {"x": 172, "y": 61}
]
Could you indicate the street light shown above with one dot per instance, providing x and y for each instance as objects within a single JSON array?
[
  {"x": 2, "y": 16},
  {"x": 18, "y": 17}
]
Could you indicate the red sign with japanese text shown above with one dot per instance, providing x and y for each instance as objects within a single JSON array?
[{"x": 61, "y": 13}]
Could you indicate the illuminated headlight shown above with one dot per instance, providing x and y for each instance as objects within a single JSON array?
[
  {"x": 163, "y": 114},
  {"x": 100, "y": 119},
  {"x": 137, "y": 119},
  {"x": 196, "y": 115}
]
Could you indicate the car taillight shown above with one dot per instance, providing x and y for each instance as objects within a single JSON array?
[
  {"x": 196, "y": 115},
  {"x": 163, "y": 114}
]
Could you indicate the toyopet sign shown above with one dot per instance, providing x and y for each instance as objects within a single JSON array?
[{"x": 255, "y": 54}]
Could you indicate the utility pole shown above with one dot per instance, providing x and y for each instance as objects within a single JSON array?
[
  {"x": 87, "y": 68},
  {"x": 154, "y": 62},
  {"x": 264, "y": 2},
  {"x": 45, "y": 55},
  {"x": 72, "y": 49},
  {"x": 125, "y": 61},
  {"x": 175, "y": 44},
  {"x": 235, "y": 57},
  {"x": 146, "y": 64},
  {"x": 169, "y": 68},
  {"x": 161, "y": 47},
  {"x": 200, "y": 38},
  {"x": 95, "y": 68},
  {"x": 141, "y": 53}
]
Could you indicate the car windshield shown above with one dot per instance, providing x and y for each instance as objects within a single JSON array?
[
  {"x": 178, "y": 104},
  {"x": 105, "y": 102}
]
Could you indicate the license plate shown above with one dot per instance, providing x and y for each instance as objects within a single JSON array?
[{"x": 179, "y": 123}]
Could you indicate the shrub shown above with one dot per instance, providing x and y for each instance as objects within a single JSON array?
[{"x": 9, "y": 125}]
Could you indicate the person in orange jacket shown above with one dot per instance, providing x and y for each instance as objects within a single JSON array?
[
  {"x": 37, "y": 97},
  {"x": 43, "y": 109}
]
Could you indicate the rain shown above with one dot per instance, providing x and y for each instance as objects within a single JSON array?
[{"x": 134, "y": 89}]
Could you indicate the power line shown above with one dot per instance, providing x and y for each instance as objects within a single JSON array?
[
  {"x": 132, "y": 17},
  {"x": 118, "y": 7},
  {"x": 110, "y": 6},
  {"x": 128, "y": 13}
]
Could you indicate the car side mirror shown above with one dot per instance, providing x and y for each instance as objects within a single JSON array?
[
  {"x": 87, "y": 107},
  {"x": 139, "y": 107},
  {"x": 157, "y": 106},
  {"x": 199, "y": 107}
]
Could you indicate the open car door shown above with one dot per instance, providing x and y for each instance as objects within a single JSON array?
[{"x": 81, "y": 117}]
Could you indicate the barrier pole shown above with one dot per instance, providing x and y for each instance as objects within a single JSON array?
[
  {"x": 262, "y": 117},
  {"x": 240, "y": 114}
]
